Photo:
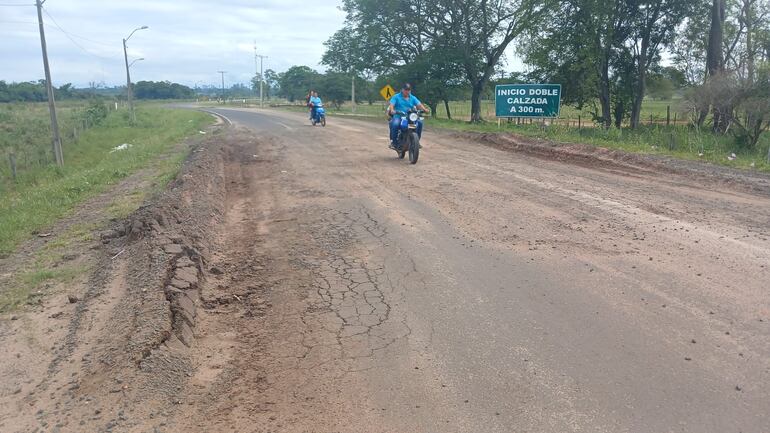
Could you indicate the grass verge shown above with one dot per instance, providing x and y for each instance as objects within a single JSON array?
[{"x": 41, "y": 196}]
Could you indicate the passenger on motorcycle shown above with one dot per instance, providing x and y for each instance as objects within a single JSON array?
[
  {"x": 314, "y": 101},
  {"x": 402, "y": 102}
]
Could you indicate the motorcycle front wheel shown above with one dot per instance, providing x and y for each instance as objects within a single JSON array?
[
  {"x": 323, "y": 121},
  {"x": 414, "y": 147}
]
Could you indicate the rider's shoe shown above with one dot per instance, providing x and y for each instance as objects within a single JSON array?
[{"x": 392, "y": 145}]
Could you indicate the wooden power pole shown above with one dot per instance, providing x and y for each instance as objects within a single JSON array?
[{"x": 49, "y": 86}]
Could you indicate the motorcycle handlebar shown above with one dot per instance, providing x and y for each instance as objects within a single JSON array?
[{"x": 404, "y": 113}]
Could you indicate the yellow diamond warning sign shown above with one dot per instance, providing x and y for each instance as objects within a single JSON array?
[{"x": 387, "y": 92}]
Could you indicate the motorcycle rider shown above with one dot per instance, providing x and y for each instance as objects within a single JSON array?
[
  {"x": 314, "y": 101},
  {"x": 403, "y": 102}
]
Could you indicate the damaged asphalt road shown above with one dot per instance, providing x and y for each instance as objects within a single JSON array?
[{"x": 322, "y": 285}]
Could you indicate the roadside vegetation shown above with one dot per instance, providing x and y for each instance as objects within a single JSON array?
[
  {"x": 108, "y": 151},
  {"x": 689, "y": 79},
  {"x": 678, "y": 140}
]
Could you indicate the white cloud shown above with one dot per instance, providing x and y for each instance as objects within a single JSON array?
[{"x": 186, "y": 41}]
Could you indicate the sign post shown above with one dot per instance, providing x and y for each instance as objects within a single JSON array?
[{"x": 527, "y": 100}]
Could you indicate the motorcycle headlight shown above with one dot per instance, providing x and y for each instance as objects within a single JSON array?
[{"x": 413, "y": 117}]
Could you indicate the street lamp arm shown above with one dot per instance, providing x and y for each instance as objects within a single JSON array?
[
  {"x": 135, "y": 60},
  {"x": 135, "y": 30}
]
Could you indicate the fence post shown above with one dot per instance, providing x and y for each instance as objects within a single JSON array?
[
  {"x": 650, "y": 119},
  {"x": 675, "y": 118},
  {"x": 12, "y": 159},
  {"x": 579, "y": 122},
  {"x": 668, "y": 115}
]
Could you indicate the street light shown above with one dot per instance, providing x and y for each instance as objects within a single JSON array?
[
  {"x": 136, "y": 60},
  {"x": 128, "y": 74}
]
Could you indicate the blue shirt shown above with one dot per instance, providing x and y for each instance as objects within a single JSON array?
[
  {"x": 402, "y": 104},
  {"x": 315, "y": 100}
]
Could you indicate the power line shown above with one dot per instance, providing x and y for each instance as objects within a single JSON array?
[
  {"x": 67, "y": 34},
  {"x": 59, "y": 29}
]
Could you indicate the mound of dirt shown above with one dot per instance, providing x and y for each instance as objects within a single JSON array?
[
  {"x": 594, "y": 156},
  {"x": 126, "y": 352}
]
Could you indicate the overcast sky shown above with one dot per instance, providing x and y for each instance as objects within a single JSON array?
[{"x": 187, "y": 41}]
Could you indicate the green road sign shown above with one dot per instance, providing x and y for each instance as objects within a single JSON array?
[{"x": 527, "y": 100}]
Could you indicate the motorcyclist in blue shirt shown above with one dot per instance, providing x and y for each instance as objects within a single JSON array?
[
  {"x": 403, "y": 102},
  {"x": 314, "y": 102}
]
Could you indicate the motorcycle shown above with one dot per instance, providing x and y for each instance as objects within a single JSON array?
[
  {"x": 319, "y": 115},
  {"x": 408, "y": 141}
]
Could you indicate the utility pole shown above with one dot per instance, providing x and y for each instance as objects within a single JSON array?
[
  {"x": 256, "y": 67},
  {"x": 49, "y": 87},
  {"x": 261, "y": 78},
  {"x": 128, "y": 75},
  {"x": 128, "y": 85},
  {"x": 223, "y": 86}
]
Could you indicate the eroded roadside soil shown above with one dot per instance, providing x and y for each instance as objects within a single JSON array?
[{"x": 298, "y": 279}]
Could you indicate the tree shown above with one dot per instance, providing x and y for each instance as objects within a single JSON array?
[
  {"x": 433, "y": 43},
  {"x": 602, "y": 50},
  {"x": 334, "y": 87},
  {"x": 653, "y": 23},
  {"x": 581, "y": 43},
  {"x": 475, "y": 35},
  {"x": 271, "y": 79},
  {"x": 689, "y": 48},
  {"x": 660, "y": 87},
  {"x": 297, "y": 81}
]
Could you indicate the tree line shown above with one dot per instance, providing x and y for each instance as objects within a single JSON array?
[
  {"x": 607, "y": 54},
  {"x": 35, "y": 91},
  {"x": 161, "y": 90}
]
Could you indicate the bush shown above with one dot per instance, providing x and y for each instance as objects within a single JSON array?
[{"x": 95, "y": 113}]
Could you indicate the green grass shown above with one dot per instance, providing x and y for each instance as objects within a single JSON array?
[
  {"x": 677, "y": 141},
  {"x": 41, "y": 195}
]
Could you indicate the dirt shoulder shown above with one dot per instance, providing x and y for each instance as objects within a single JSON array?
[
  {"x": 597, "y": 157},
  {"x": 80, "y": 348}
]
